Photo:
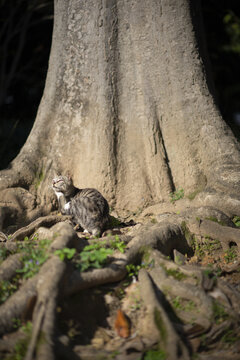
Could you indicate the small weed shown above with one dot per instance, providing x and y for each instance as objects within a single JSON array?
[
  {"x": 212, "y": 272},
  {"x": 20, "y": 349},
  {"x": 219, "y": 314},
  {"x": 229, "y": 337},
  {"x": 230, "y": 255},
  {"x": 176, "y": 274},
  {"x": 7, "y": 288},
  {"x": 93, "y": 256},
  {"x": 33, "y": 256},
  {"x": 133, "y": 269},
  {"x": 114, "y": 222},
  {"x": 188, "y": 235},
  {"x": 65, "y": 253},
  {"x": 190, "y": 306},
  {"x": 137, "y": 304},
  {"x": 155, "y": 355},
  {"x": 113, "y": 355},
  {"x": 177, "y": 303},
  {"x": 236, "y": 221},
  {"x": 27, "y": 328},
  {"x": 118, "y": 245},
  {"x": 3, "y": 254},
  {"x": 176, "y": 195},
  {"x": 208, "y": 246},
  {"x": 214, "y": 219}
]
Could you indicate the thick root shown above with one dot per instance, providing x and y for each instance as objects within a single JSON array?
[
  {"x": 170, "y": 340},
  {"x": 179, "y": 300}
]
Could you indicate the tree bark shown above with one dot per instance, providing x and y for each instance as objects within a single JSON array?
[{"x": 128, "y": 108}]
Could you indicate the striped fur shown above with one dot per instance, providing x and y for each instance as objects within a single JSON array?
[{"x": 88, "y": 207}]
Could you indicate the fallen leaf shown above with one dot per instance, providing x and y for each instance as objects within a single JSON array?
[{"x": 122, "y": 324}]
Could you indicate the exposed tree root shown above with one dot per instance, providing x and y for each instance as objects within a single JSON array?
[
  {"x": 9, "y": 266},
  {"x": 47, "y": 221},
  {"x": 169, "y": 338},
  {"x": 15, "y": 306},
  {"x": 215, "y": 231},
  {"x": 42, "y": 339},
  {"x": 178, "y": 298}
]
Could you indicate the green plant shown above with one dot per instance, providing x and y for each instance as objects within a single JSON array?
[
  {"x": 212, "y": 272},
  {"x": 190, "y": 306},
  {"x": 27, "y": 328},
  {"x": 114, "y": 222},
  {"x": 155, "y": 355},
  {"x": 230, "y": 255},
  {"x": 176, "y": 195},
  {"x": 39, "y": 179},
  {"x": 33, "y": 256},
  {"x": 16, "y": 323},
  {"x": 229, "y": 337},
  {"x": 208, "y": 246},
  {"x": 65, "y": 253},
  {"x": 219, "y": 314},
  {"x": 175, "y": 273},
  {"x": 232, "y": 27},
  {"x": 236, "y": 221},
  {"x": 177, "y": 303},
  {"x": 21, "y": 346},
  {"x": 3, "y": 254},
  {"x": 6, "y": 289},
  {"x": 112, "y": 355},
  {"x": 153, "y": 221},
  {"x": 93, "y": 256},
  {"x": 133, "y": 269},
  {"x": 214, "y": 219},
  {"x": 118, "y": 245}
]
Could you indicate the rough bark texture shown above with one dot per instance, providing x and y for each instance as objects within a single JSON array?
[{"x": 127, "y": 107}]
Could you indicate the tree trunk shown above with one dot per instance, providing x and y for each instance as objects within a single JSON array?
[{"x": 127, "y": 107}]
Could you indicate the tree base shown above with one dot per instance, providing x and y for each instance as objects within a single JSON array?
[{"x": 179, "y": 303}]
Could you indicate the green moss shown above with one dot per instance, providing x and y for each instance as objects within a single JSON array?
[
  {"x": 177, "y": 303},
  {"x": 153, "y": 221},
  {"x": 39, "y": 178},
  {"x": 7, "y": 288},
  {"x": 201, "y": 186},
  {"x": 229, "y": 337},
  {"x": 192, "y": 195},
  {"x": 188, "y": 235},
  {"x": 160, "y": 325},
  {"x": 114, "y": 222},
  {"x": 214, "y": 219},
  {"x": 145, "y": 253},
  {"x": 155, "y": 355},
  {"x": 219, "y": 313},
  {"x": 20, "y": 349},
  {"x": 175, "y": 273}
]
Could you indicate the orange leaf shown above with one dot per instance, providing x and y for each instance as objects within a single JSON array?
[{"x": 122, "y": 324}]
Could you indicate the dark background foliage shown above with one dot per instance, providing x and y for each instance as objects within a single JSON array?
[{"x": 25, "y": 41}]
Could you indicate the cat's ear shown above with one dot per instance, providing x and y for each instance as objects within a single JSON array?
[{"x": 69, "y": 176}]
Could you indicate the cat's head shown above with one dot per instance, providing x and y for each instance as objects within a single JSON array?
[{"x": 63, "y": 184}]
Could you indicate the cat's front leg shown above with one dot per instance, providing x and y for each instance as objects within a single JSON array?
[{"x": 64, "y": 207}]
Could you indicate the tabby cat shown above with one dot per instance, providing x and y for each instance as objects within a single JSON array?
[{"x": 88, "y": 207}]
